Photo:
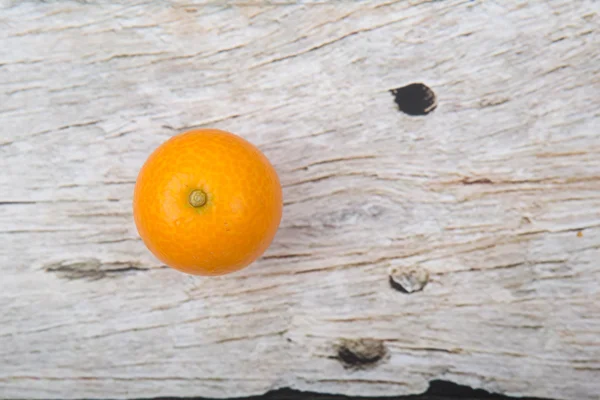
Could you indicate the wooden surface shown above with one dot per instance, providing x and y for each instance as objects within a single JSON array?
[{"x": 488, "y": 207}]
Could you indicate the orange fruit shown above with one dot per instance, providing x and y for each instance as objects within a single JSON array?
[{"x": 207, "y": 202}]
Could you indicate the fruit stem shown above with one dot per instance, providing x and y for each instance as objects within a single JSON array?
[{"x": 197, "y": 198}]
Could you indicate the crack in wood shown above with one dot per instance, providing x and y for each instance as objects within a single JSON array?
[{"x": 92, "y": 269}]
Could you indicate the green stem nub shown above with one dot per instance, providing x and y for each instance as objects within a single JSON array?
[{"x": 197, "y": 198}]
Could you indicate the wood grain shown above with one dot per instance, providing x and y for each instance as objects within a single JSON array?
[{"x": 494, "y": 197}]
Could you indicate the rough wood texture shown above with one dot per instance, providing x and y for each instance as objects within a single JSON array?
[{"x": 491, "y": 201}]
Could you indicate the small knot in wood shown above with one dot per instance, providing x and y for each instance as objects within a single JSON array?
[
  {"x": 415, "y": 99},
  {"x": 360, "y": 353},
  {"x": 408, "y": 279}
]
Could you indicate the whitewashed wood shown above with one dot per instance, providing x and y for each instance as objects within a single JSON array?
[{"x": 495, "y": 195}]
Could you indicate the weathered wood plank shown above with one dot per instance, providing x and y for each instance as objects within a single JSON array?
[{"x": 493, "y": 198}]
